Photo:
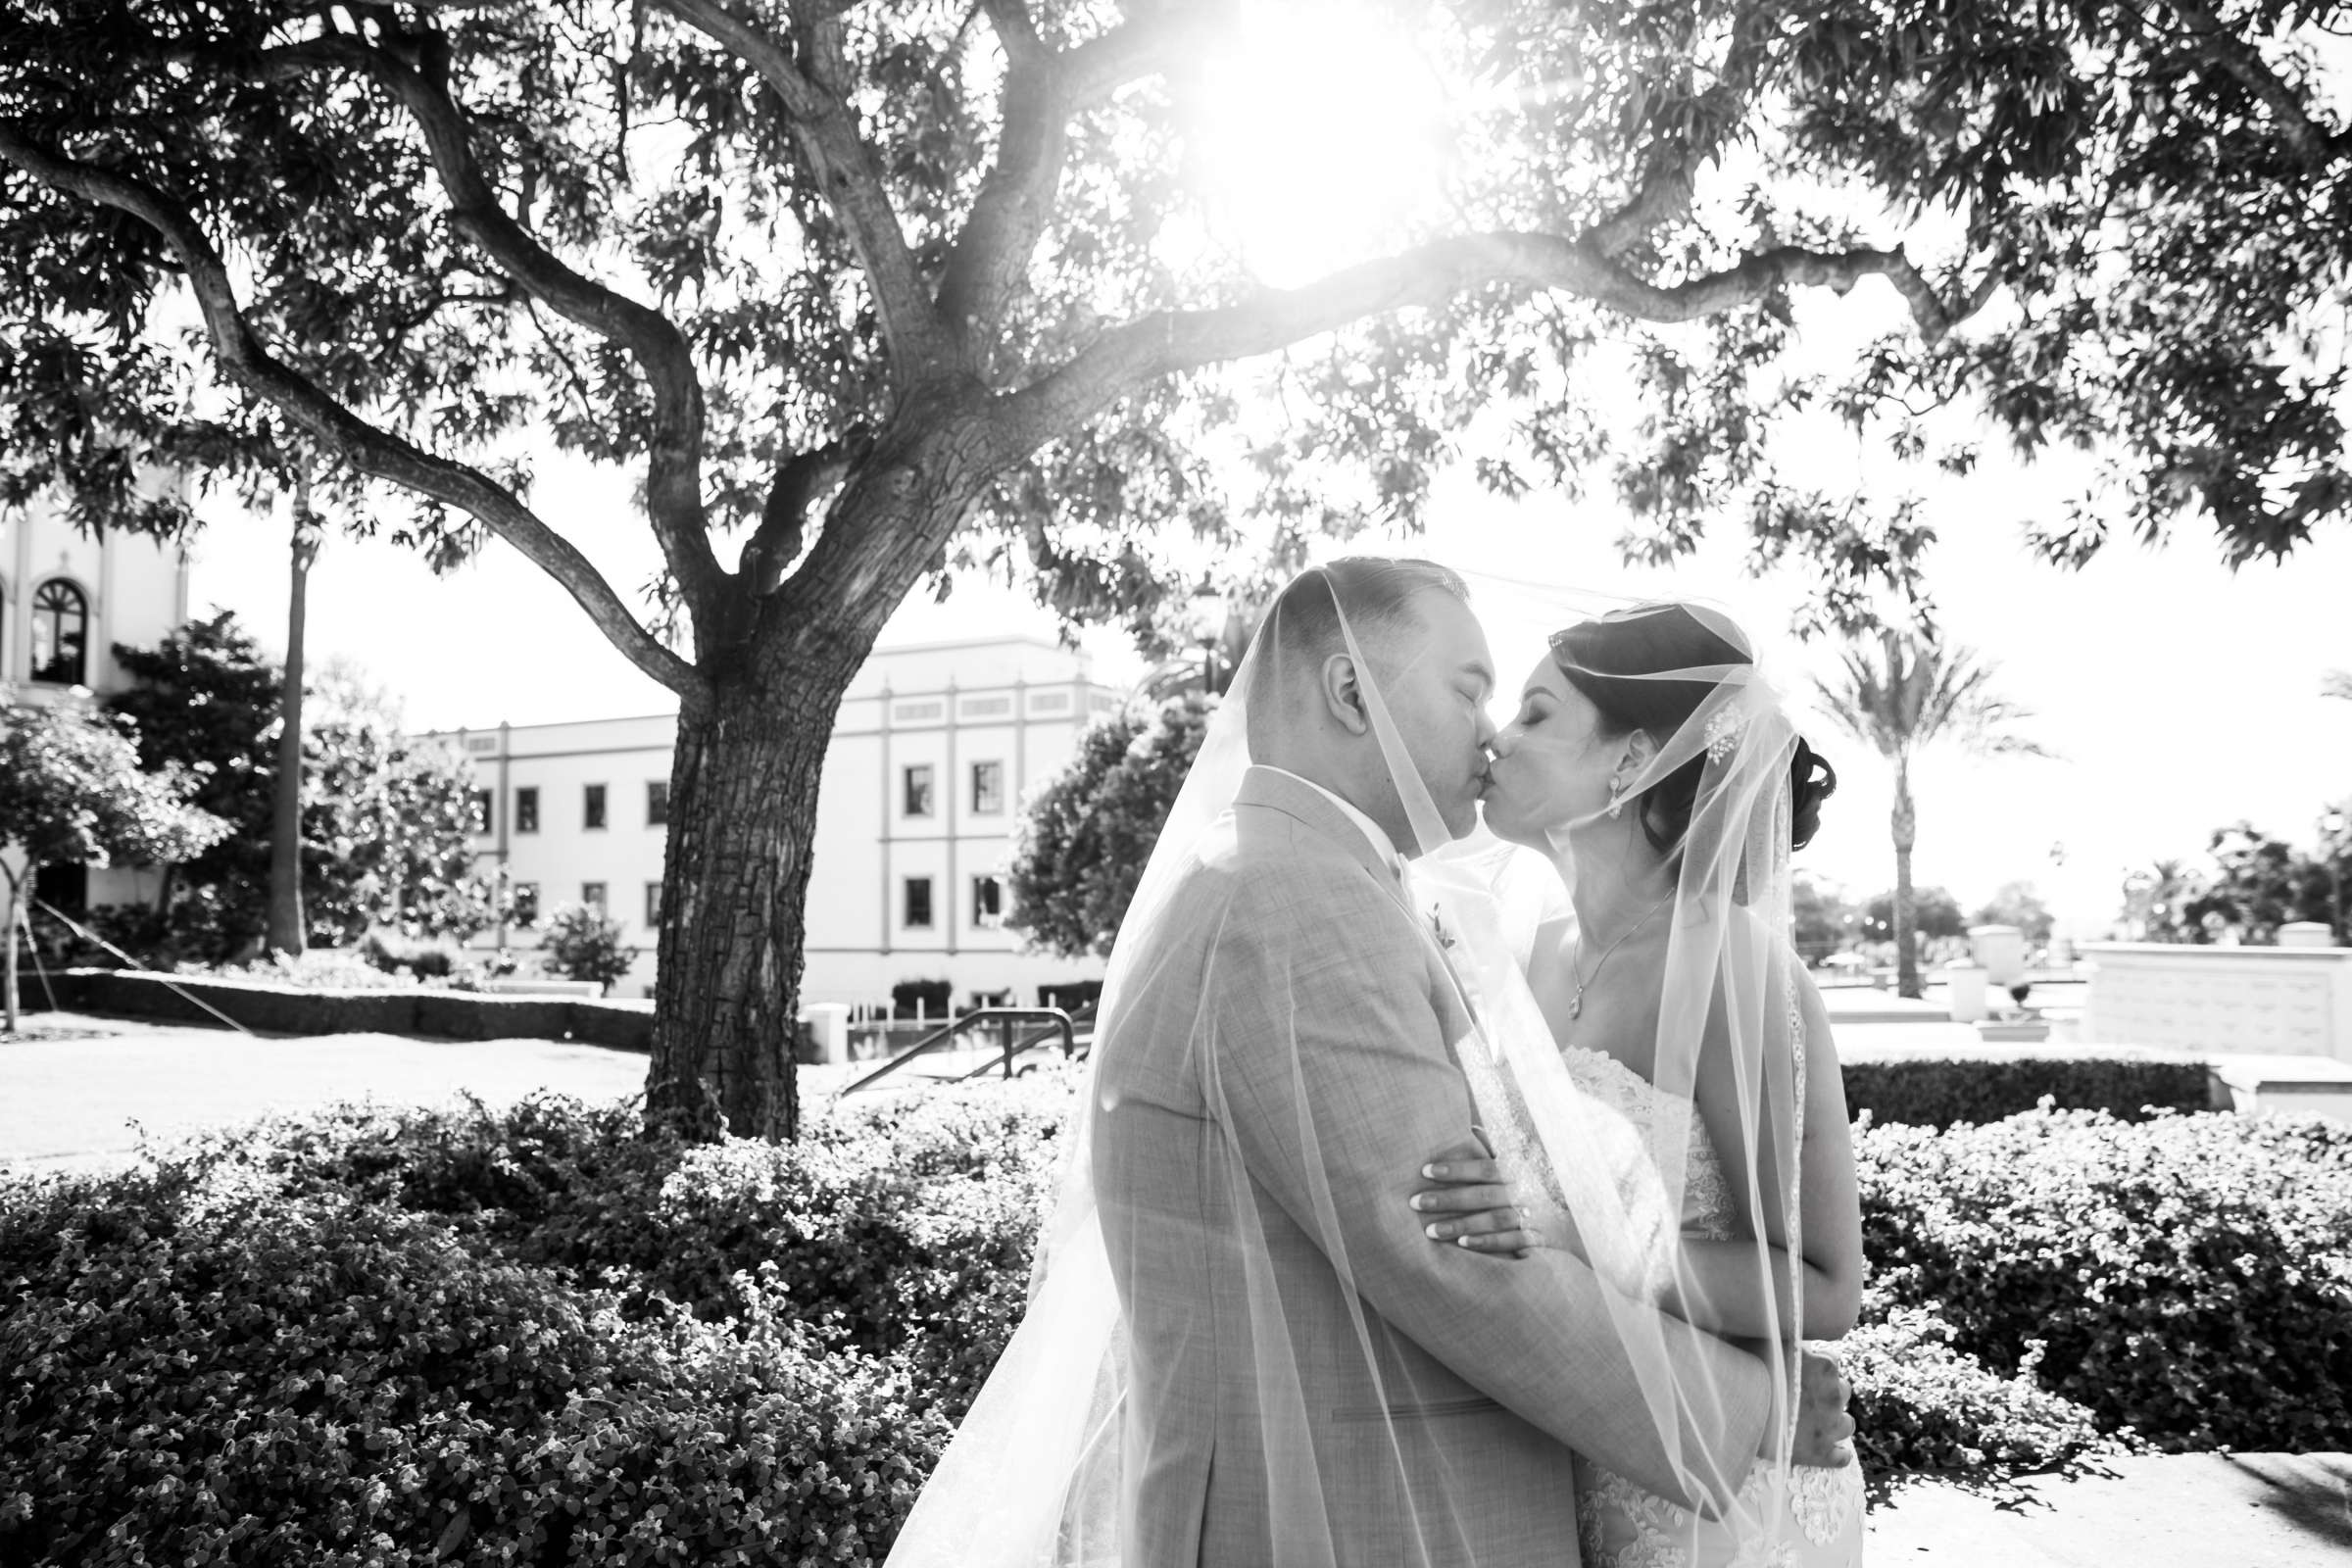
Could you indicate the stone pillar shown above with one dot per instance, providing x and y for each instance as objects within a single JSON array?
[
  {"x": 2306, "y": 933},
  {"x": 2001, "y": 950},
  {"x": 1967, "y": 983}
]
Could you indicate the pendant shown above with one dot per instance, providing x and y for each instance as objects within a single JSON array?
[{"x": 1576, "y": 1003}]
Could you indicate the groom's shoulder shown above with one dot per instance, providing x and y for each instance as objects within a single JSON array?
[{"x": 1266, "y": 860}]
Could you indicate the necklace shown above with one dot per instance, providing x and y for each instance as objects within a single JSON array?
[{"x": 1576, "y": 1003}]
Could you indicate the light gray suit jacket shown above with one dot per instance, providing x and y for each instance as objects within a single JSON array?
[{"x": 1293, "y": 1000}]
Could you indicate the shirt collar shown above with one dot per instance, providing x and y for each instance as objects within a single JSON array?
[{"x": 1382, "y": 845}]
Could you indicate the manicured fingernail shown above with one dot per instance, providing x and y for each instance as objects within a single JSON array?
[
  {"x": 1417, "y": 1202},
  {"x": 1436, "y": 1232},
  {"x": 1436, "y": 1173},
  {"x": 1467, "y": 1240}
]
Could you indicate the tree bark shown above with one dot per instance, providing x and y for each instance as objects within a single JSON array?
[
  {"x": 1906, "y": 834},
  {"x": 287, "y": 933},
  {"x": 16, "y": 890},
  {"x": 743, "y": 794}
]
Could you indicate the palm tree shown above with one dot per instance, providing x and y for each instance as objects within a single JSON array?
[{"x": 1906, "y": 691}]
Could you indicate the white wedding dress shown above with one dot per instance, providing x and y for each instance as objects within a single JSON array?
[{"x": 1819, "y": 1522}]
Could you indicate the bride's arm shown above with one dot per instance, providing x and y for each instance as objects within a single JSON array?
[
  {"x": 1719, "y": 1285},
  {"x": 1716, "y": 1286}
]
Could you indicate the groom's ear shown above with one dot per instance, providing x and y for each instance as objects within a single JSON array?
[{"x": 1343, "y": 696}]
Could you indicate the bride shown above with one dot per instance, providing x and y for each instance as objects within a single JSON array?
[{"x": 1641, "y": 753}]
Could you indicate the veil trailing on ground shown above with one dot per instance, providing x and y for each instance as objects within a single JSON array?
[{"x": 1270, "y": 1342}]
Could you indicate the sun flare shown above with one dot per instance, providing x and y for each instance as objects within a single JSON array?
[{"x": 1326, "y": 132}]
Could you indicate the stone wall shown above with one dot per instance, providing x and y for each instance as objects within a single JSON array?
[{"x": 2221, "y": 1001}]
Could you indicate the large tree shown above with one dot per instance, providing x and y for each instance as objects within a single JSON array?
[
  {"x": 868, "y": 289},
  {"x": 1897, "y": 692}
]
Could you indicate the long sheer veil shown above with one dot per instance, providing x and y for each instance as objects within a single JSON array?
[{"x": 1456, "y": 1419}]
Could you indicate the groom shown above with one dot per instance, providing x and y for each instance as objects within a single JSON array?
[{"x": 1312, "y": 1379}]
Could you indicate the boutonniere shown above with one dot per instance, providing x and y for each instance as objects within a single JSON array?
[{"x": 1438, "y": 930}]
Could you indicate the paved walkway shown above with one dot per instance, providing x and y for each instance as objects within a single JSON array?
[
  {"x": 2197, "y": 1510},
  {"x": 78, "y": 1104}
]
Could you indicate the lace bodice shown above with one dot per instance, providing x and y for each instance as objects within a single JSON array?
[{"x": 1706, "y": 1208}]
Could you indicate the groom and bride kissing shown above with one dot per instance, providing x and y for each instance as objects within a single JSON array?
[{"x": 1444, "y": 1193}]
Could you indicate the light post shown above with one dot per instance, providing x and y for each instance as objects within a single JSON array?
[
  {"x": 2137, "y": 885},
  {"x": 2332, "y": 845}
]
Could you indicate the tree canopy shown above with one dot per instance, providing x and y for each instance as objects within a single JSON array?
[
  {"x": 734, "y": 244},
  {"x": 1087, "y": 835},
  {"x": 72, "y": 792},
  {"x": 386, "y": 829},
  {"x": 2256, "y": 885}
]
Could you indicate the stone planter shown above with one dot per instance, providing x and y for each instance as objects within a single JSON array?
[{"x": 2012, "y": 1030}]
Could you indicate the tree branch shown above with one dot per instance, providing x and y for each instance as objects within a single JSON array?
[
  {"x": 824, "y": 129},
  {"x": 249, "y": 362},
  {"x": 1171, "y": 342},
  {"x": 2223, "y": 47},
  {"x": 783, "y": 522},
  {"x": 1016, "y": 199},
  {"x": 1093, "y": 70},
  {"x": 1041, "y": 90},
  {"x": 673, "y": 488}
]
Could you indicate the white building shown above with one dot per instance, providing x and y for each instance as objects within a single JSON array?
[
  {"x": 935, "y": 750},
  {"x": 66, "y": 600}
]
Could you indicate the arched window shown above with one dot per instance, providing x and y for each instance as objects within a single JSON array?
[{"x": 61, "y": 633}]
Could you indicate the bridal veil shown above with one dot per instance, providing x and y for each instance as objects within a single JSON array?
[{"x": 1046, "y": 1467}]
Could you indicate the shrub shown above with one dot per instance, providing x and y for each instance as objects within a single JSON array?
[
  {"x": 204, "y": 1366},
  {"x": 1922, "y": 1405},
  {"x": 1939, "y": 1091},
  {"x": 929, "y": 999},
  {"x": 2187, "y": 1276},
  {"x": 582, "y": 943}
]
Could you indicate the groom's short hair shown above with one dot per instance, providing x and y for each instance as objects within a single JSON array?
[{"x": 1302, "y": 627}]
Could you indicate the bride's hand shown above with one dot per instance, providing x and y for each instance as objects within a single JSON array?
[{"x": 1469, "y": 1204}]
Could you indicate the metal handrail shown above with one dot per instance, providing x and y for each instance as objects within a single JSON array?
[{"x": 1055, "y": 1020}]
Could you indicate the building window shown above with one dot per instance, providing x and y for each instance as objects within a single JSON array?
[
  {"x": 653, "y": 906},
  {"x": 591, "y": 806},
  {"x": 526, "y": 809},
  {"x": 988, "y": 789},
  {"x": 527, "y": 904},
  {"x": 919, "y": 904},
  {"x": 917, "y": 791},
  {"x": 592, "y": 894},
  {"x": 987, "y": 903},
  {"x": 482, "y": 811},
  {"x": 657, "y": 802},
  {"x": 61, "y": 634}
]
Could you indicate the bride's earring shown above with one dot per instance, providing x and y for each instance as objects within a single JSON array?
[{"x": 1616, "y": 796}]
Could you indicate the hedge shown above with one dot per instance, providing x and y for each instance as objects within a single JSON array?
[
  {"x": 1939, "y": 1091},
  {"x": 547, "y": 1334},
  {"x": 301, "y": 1011},
  {"x": 2186, "y": 1277}
]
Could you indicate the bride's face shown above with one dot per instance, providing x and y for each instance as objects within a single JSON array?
[{"x": 1551, "y": 762}]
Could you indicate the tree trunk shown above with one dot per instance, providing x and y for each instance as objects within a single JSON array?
[
  {"x": 1906, "y": 834},
  {"x": 16, "y": 888},
  {"x": 288, "y": 931},
  {"x": 743, "y": 790}
]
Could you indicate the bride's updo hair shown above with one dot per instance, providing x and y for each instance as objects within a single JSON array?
[{"x": 1620, "y": 660}]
